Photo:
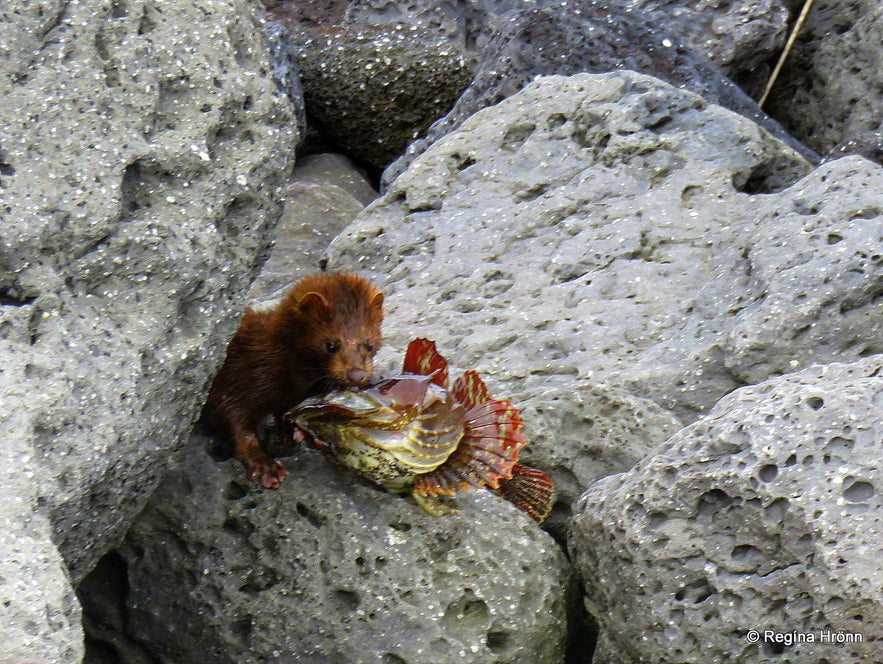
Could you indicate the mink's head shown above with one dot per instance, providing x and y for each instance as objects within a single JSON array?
[{"x": 337, "y": 326}]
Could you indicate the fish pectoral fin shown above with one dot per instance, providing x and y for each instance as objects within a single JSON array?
[
  {"x": 435, "y": 505},
  {"x": 530, "y": 490}
]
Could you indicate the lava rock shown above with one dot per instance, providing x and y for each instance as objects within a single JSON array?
[
  {"x": 372, "y": 90},
  {"x": 612, "y": 230},
  {"x": 331, "y": 569},
  {"x": 582, "y": 433},
  {"x": 736, "y": 35},
  {"x": 831, "y": 87},
  {"x": 599, "y": 38},
  {"x": 765, "y": 515},
  {"x": 138, "y": 168},
  {"x": 285, "y": 73}
]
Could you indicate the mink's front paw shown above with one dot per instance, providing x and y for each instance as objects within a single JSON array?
[{"x": 267, "y": 471}]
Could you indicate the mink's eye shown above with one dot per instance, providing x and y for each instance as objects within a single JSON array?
[
  {"x": 332, "y": 346},
  {"x": 370, "y": 346}
]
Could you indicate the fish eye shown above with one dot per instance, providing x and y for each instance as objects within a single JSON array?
[{"x": 332, "y": 345}]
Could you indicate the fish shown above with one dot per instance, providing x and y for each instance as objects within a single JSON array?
[{"x": 410, "y": 432}]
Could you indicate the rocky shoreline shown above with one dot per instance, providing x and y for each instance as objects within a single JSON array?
[{"x": 579, "y": 200}]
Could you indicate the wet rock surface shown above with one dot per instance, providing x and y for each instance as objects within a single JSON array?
[
  {"x": 329, "y": 568},
  {"x": 765, "y": 515}
]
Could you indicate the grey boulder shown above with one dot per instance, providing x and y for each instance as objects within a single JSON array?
[
  {"x": 138, "y": 170},
  {"x": 612, "y": 229},
  {"x": 752, "y": 535},
  {"x": 331, "y": 569}
]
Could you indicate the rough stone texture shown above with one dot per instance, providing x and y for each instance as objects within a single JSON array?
[
  {"x": 39, "y": 614},
  {"x": 869, "y": 145},
  {"x": 330, "y": 569},
  {"x": 324, "y": 195},
  {"x": 580, "y": 434},
  {"x": 466, "y": 24},
  {"x": 735, "y": 34},
  {"x": 612, "y": 229},
  {"x": 285, "y": 73},
  {"x": 765, "y": 515},
  {"x": 598, "y": 39},
  {"x": 373, "y": 90},
  {"x": 139, "y": 168},
  {"x": 831, "y": 88}
]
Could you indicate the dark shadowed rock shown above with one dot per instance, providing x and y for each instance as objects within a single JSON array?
[
  {"x": 831, "y": 88},
  {"x": 372, "y": 90},
  {"x": 597, "y": 39}
]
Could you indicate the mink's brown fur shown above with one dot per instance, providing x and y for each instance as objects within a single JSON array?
[{"x": 324, "y": 332}]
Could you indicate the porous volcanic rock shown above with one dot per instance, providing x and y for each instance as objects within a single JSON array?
[
  {"x": 332, "y": 569},
  {"x": 831, "y": 88},
  {"x": 582, "y": 433},
  {"x": 613, "y": 230},
  {"x": 735, "y": 34},
  {"x": 39, "y": 613},
  {"x": 138, "y": 170},
  {"x": 765, "y": 515},
  {"x": 597, "y": 39},
  {"x": 372, "y": 90}
]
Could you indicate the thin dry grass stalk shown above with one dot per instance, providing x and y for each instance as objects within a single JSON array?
[{"x": 787, "y": 50}]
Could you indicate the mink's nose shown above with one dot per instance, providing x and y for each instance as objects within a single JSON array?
[{"x": 356, "y": 376}]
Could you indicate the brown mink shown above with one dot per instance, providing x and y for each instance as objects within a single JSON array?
[{"x": 325, "y": 332}]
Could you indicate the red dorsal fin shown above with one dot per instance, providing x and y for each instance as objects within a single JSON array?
[
  {"x": 530, "y": 490},
  {"x": 423, "y": 358},
  {"x": 470, "y": 390}
]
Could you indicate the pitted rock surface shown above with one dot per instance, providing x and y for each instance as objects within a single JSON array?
[
  {"x": 612, "y": 229},
  {"x": 581, "y": 434},
  {"x": 735, "y": 34},
  {"x": 372, "y": 90},
  {"x": 138, "y": 170},
  {"x": 331, "y": 569},
  {"x": 765, "y": 515},
  {"x": 597, "y": 39}
]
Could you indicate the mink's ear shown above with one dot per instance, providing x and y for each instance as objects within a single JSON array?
[
  {"x": 377, "y": 303},
  {"x": 313, "y": 302}
]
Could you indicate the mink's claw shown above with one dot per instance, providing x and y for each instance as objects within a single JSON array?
[{"x": 269, "y": 474}]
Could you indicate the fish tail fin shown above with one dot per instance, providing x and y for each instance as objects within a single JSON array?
[
  {"x": 423, "y": 358},
  {"x": 530, "y": 490}
]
